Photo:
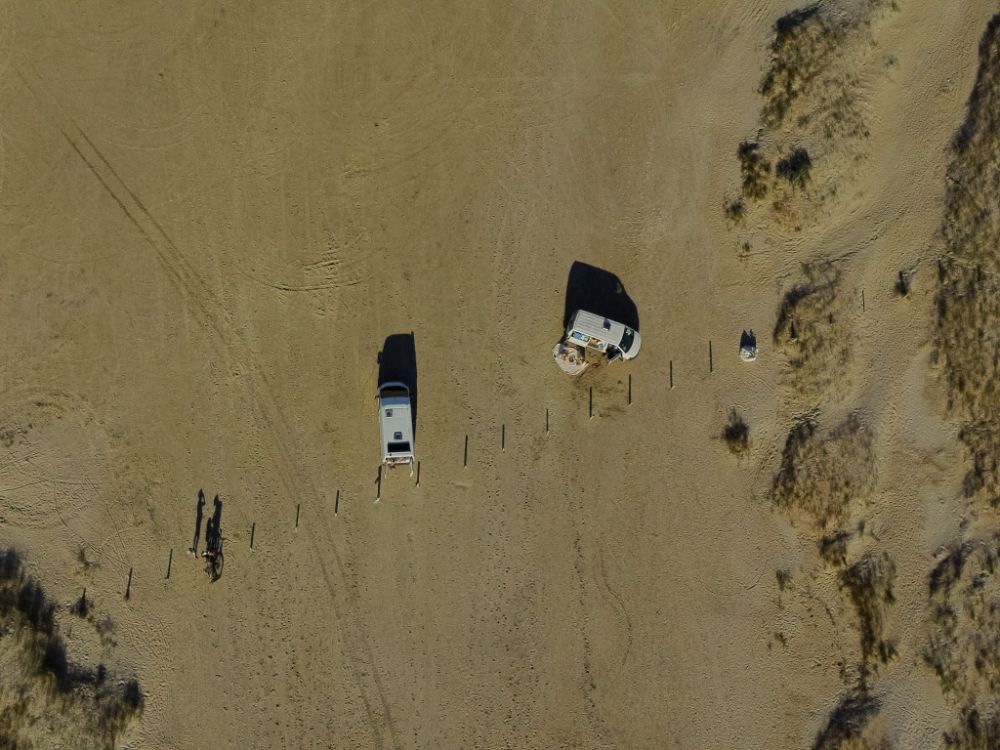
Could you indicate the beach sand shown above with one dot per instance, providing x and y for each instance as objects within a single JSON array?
[{"x": 215, "y": 213}]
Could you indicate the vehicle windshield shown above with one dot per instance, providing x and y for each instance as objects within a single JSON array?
[
  {"x": 394, "y": 392},
  {"x": 627, "y": 338}
]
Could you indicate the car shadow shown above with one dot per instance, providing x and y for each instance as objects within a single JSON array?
[
  {"x": 397, "y": 361},
  {"x": 600, "y": 292}
]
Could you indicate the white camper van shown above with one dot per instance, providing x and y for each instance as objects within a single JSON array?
[
  {"x": 395, "y": 423},
  {"x": 614, "y": 339}
]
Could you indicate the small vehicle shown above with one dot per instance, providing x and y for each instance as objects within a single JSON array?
[
  {"x": 395, "y": 423},
  {"x": 616, "y": 340}
]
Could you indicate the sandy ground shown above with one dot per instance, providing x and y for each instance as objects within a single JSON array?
[{"x": 214, "y": 213}]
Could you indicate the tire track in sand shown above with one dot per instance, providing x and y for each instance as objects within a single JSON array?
[{"x": 202, "y": 302}]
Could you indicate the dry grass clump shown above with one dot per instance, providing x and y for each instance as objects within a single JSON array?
[
  {"x": 964, "y": 646},
  {"x": 964, "y": 587},
  {"x": 812, "y": 101},
  {"x": 736, "y": 434},
  {"x": 846, "y": 728},
  {"x": 809, "y": 77},
  {"x": 833, "y": 548},
  {"x": 968, "y": 297},
  {"x": 811, "y": 329},
  {"x": 976, "y": 732},
  {"x": 46, "y": 700},
  {"x": 795, "y": 167},
  {"x": 736, "y": 211},
  {"x": 755, "y": 171},
  {"x": 825, "y": 474},
  {"x": 869, "y": 582}
]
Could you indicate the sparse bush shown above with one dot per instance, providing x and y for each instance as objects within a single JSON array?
[
  {"x": 811, "y": 94},
  {"x": 804, "y": 40},
  {"x": 810, "y": 330},
  {"x": 976, "y": 732},
  {"x": 46, "y": 699},
  {"x": 810, "y": 73},
  {"x": 795, "y": 167},
  {"x": 833, "y": 548},
  {"x": 968, "y": 307},
  {"x": 869, "y": 583},
  {"x": 105, "y": 628},
  {"x": 736, "y": 210},
  {"x": 824, "y": 474},
  {"x": 963, "y": 647},
  {"x": 755, "y": 169},
  {"x": 784, "y": 577},
  {"x": 845, "y": 727},
  {"x": 737, "y": 434}
]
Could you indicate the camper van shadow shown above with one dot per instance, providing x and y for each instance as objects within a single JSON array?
[
  {"x": 600, "y": 292},
  {"x": 398, "y": 362}
]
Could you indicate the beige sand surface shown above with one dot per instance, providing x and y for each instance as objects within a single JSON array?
[{"x": 213, "y": 214}]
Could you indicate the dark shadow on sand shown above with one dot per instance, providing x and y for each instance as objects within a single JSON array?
[
  {"x": 600, "y": 292},
  {"x": 199, "y": 510},
  {"x": 398, "y": 362}
]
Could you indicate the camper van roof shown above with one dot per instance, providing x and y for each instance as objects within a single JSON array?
[
  {"x": 597, "y": 326},
  {"x": 395, "y": 419}
]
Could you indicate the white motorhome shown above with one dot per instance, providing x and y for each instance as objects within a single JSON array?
[
  {"x": 395, "y": 423},
  {"x": 597, "y": 332}
]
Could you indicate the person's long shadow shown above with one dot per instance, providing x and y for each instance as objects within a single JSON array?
[
  {"x": 398, "y": 362},
  {"x": 600, "y": 292},
  {"x": 197, "y": 521}
]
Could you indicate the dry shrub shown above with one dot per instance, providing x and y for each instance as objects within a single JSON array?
[
  {"x": 755, "y": 170},
  {"x": 736, "y": 211},
  {"x": 833, "y": 548},
  {"x": 811, "y": 330},
  {"x": 810, "y": 77},
  {"x": 869, "y": 582},
  {"x": 968, "y": 302},
  {"x": 804, "y": 42},
  {"x": 976, "y": 732},
  {"x": 736, "y": 434},
  {"x": 783, "y": 577},
  {"x": 825, "y": 474},
  {"x": 795, "y": 167},
  {"x": 811, "y": 95},
  {"x": 964, "y": 645},
  {"x": 846, "y": 727},
  {"x": 46, "y": 699}
]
